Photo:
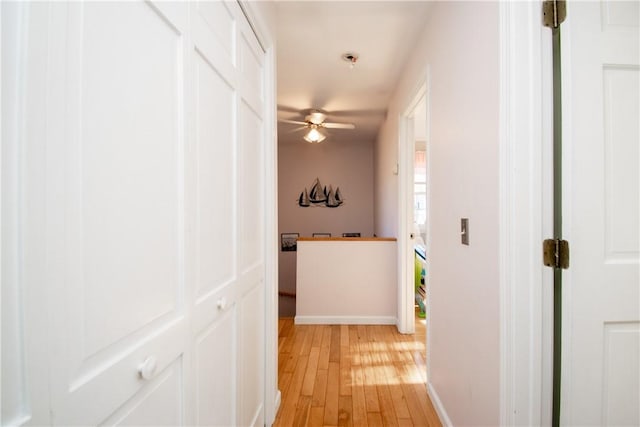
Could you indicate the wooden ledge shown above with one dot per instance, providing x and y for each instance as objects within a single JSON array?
[{"x": 346, "y": 239}]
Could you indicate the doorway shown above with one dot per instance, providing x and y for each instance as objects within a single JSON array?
[
  {"x": 414, "y": 213},
  {"x": 420, "y": 217}
]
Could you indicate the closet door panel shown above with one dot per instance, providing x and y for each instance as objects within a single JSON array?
[
  {"x": 216, "y": 372},
  {"x": 215, "y": 157},
  {"x": 215, "y": 318},
  {"x": 115, "y": 208},
  {"x": 251, "y": 263}
]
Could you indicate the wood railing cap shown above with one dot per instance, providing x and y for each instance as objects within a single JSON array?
[{"x": 346, "y": 239}]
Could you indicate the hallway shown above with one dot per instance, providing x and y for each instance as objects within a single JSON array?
[{"x": 360, "y": 375}]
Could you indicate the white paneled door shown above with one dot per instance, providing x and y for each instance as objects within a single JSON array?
[
  {"x": 601, "y": 312},
  {"x": 138, "y": 149}
]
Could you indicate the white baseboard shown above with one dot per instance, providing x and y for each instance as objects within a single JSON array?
[
  {"x": 278, "y": 401},
  {"x": 437, "y": 404},
  {"x": 345, "y": 320},
  {"x": 276, "y": 404}
]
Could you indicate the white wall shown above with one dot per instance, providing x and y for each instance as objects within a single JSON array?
[
  {"x": 345, "y": 165},
  {"x": 357, "y": 289},
  {"x": 460, "y": 50}
]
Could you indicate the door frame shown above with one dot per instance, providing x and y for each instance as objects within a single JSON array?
[
  {"x": 262, "y": 28},
  {"x": 525, "y": 215},
  {"x": 406, "y": 154}
]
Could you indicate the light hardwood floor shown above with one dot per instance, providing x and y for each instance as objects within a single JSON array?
[{"x": 352, "y": 375}]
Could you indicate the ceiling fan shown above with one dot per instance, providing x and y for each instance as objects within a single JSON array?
[{"x": 314, "y": 122}]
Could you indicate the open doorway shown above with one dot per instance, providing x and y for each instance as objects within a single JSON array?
[
  {"x": 414, "y": 215},
  {"x": 420, "y": 213}
]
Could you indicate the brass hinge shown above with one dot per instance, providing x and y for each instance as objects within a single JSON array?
[
  {"x": 553, "y": 12},
  {"x": 555, "y": 253}
]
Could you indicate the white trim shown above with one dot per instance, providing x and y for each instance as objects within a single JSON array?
[
  {"x": 439, "y": 407},
  {"x": 272, "y": 396},
  {"x": 276, "y": 404},
  {"x": 345, "y": 320},
  {"x": 524, "y": 215},
  {"x": 406, "y": 148},
  {"x": 567, "y": 410},
  {"x": 427, "y": 279},
  {"x": 406, "y": 322}
]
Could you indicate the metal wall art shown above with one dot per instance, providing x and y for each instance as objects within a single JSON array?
[{"x": 320, "y": 196}]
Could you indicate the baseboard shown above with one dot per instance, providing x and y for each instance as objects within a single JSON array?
[
  {"x": 437, "y": 404},
  {"x": 258, "y": 417},
  {"x": 345, "y": 320},
  {"x": 276, "y": 408},
  {"x": 277, "y": 403}
]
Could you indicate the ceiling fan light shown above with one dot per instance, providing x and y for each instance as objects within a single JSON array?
[{"x": 314, "y": 136}]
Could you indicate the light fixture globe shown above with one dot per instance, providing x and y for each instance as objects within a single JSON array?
[{"x": 314, "y": 136}]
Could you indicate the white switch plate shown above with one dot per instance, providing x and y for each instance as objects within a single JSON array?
[{"x": 464, "y": 231}]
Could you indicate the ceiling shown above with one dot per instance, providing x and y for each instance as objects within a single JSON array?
[{"x": 312, "y": 36}]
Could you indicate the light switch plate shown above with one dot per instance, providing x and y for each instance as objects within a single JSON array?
[{"x": 464, "y": 231}]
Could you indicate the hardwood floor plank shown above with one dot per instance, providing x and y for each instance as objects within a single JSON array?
[
  {"x": 332, "y": 396},
  {"x": 360, "y": 375},
  {"x": 284, "y": 380},
  {"x": 399, "y": 401},
  {"x": 362, "y": 338},
  {"x": 426, "y": 405},
  {"x": 317, "y": 336},
  {"x": 354, "y": 346},
  {"x": 294, "y": 353},
  {"x": 320, "y": 388},
  {"x": 286, "y": 414},
  {"x": 414, "y": 399},
  {"x": 308, "y": 339},
  {"x": 387, "y": 411},
  {"x": 358, "y": 396},
  {"x": 370, "y": 391},
  {"x": 345, "y": 411},
  {"x": 285, "y": 325},
  {"x": 316, "y": 416},
  {"x": 296, "y": 381},
  {"x": 326, "y": 336},
  {"x": 359, "y": 406},
  {"x": 311, "y": 372},
  {"x": 344, "y": 336},
  {"x": 374, "y": 419},
  {"x": 405, "y": 422},
  {"x": 334, "y": 354},
  {"x": 323, "y": 362},
  {"x": 288, "y": 333},
  {"x": 303, "y": 408},
  {"x": 345, "y": 372}
]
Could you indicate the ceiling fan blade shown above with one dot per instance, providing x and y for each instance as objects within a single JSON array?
[
  {"x": 293, "y": 122},
  {"x": 297, "y": 129},
  {"x": 288, "y": 109},
  {"x": 357, "y": 113},
  {"x": 339, "y": 125}
]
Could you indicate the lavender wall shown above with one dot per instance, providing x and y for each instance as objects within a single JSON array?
[
  {"x": 340, "y": 164},
  {"x": 459, "y": 51}
]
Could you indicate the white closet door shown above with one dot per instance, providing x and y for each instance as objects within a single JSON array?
[
  {"x": 228, "y": 180},
  {"x": 115, "y": 213},
  {"x": 213, "y": 55},
  {"x": 251, "y": 231},
  {"x": 601, "y": 314},
  {"x": 136, "y": 171}
]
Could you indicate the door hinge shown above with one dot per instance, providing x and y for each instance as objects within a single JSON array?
[
  {"x": 553, "y": 12},
  {"x": 555, "y": 253}
]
